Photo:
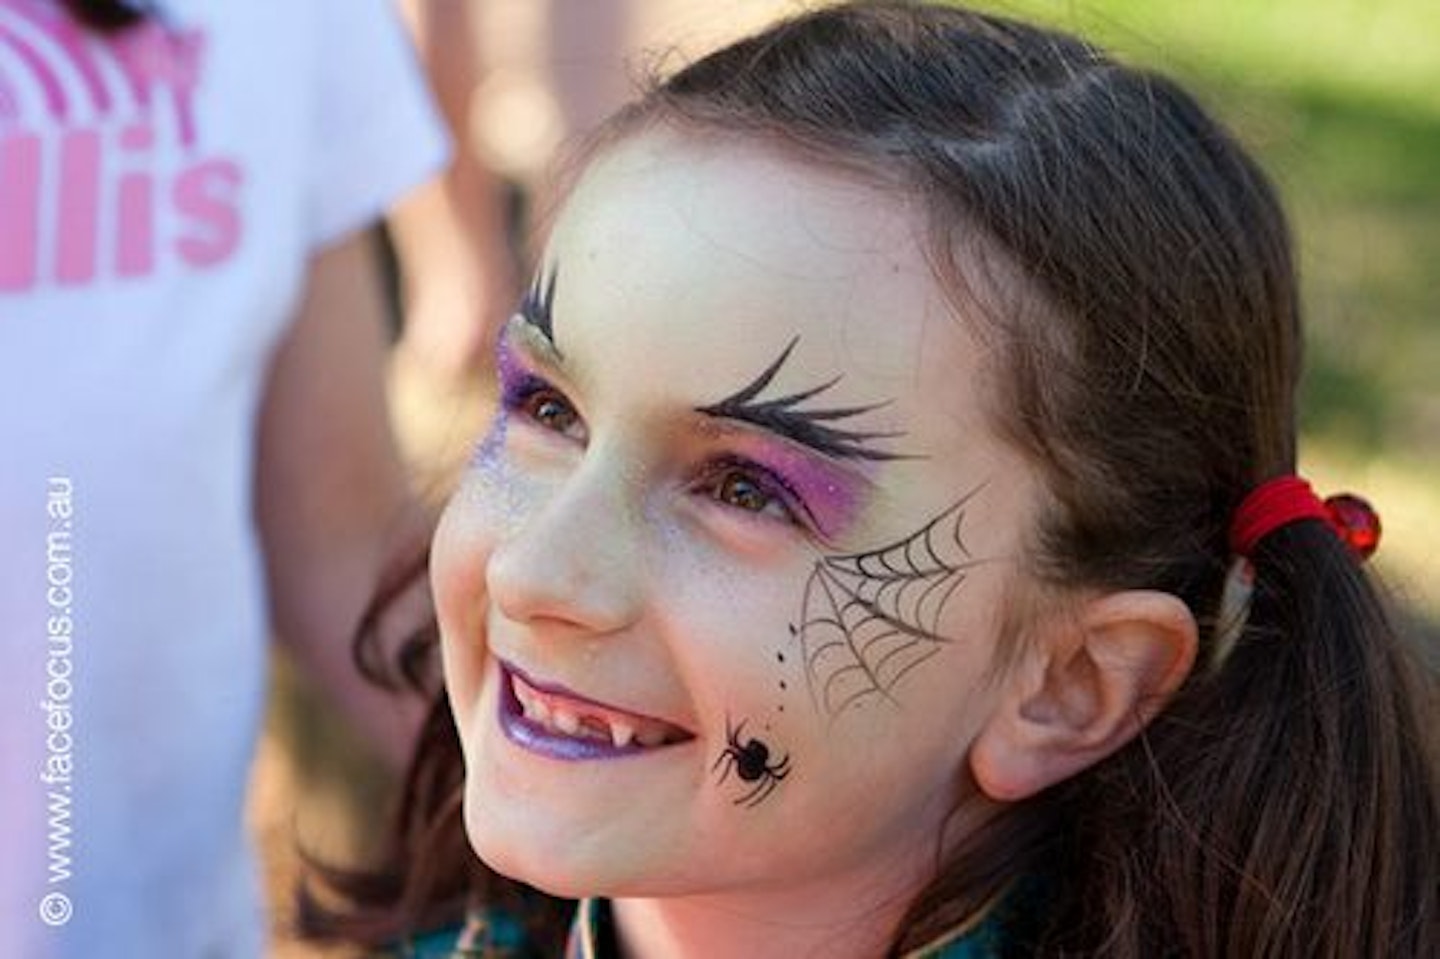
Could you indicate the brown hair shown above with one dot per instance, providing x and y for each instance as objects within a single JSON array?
[{"x": 1284, "y": 804}]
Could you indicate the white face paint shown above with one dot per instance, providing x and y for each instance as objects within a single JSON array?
[{"x": 620, "y": 569}]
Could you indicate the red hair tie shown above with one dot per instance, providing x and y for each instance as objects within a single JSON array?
[{"x": 1288, "y": 499}]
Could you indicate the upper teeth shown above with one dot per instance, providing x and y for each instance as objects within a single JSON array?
[
  {"x": 567, "y": 722},
  {"x": 621, "y": 732},
  {"x": 559, "y": 717}
]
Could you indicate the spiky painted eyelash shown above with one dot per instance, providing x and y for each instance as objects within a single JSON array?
[
  {"x": 538, "y": 304},
  {"x": 808, "y": 427}
]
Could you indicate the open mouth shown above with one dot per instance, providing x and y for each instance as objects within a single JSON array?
[{"x": 564, "y": 725}]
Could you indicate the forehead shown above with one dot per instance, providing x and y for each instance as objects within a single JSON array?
[
  {"x": 685, "y": 267},
  {"x": 734, "y": 250}
]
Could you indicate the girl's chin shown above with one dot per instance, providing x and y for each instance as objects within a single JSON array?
[
  {"x": 570, "y": 858},
  {"x": 544, "y": 870}
]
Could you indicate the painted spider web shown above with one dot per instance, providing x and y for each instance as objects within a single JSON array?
[{"x": 868, "y": 619}]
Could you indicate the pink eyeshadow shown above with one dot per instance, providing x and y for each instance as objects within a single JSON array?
[{"x": 829, "y": 492}]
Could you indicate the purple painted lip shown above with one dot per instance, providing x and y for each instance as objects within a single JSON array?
[{"x": 537, "y": 739}]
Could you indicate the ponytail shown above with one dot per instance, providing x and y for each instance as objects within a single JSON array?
[{"x": 1283, "y": 806}]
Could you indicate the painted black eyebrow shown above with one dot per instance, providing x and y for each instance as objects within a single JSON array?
[
  {"x": 538, "y": 303},
  {"x": 806, "y": 427}
]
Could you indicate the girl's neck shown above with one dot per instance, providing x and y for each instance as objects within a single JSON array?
[
  {"x": 837, "y": 919},
  {"x": 845, "y": 914},
  {"x": 689, "y": 929}
]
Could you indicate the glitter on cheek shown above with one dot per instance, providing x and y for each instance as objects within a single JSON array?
[
  {"x": 509, "y": 373},
  {"x": 494, "y": 482},
  {"x": 491, "y": 447},
  {"x": 738, "y": 608}
]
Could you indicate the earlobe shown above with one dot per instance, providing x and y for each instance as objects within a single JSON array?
[{"x": 1090, "y": 681}]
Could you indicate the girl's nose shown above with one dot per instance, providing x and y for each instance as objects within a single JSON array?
[{"x": 576, "y": 560}]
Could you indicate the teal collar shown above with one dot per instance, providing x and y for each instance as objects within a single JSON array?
[{"x": 492, "y": 934}]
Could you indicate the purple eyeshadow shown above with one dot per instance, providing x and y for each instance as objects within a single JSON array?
[
  {"x": 830, "y": 496},
  {"x": 508, "y": 368}
]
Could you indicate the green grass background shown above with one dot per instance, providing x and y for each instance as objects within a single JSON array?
[{"x": 1340, "y": 99}]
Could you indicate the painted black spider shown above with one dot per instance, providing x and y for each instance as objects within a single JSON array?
[{"x": 751, "y": 762}]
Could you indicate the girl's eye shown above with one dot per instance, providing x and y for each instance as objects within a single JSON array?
[
  {"x": 752, "y": 489},
  {"x": 551, "y": 411},
  {"x": 547, "y": 407},
  {"x": 742, "y": 492}
]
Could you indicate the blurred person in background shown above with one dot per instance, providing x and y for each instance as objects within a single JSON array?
[{"x": 196, "y": 441}]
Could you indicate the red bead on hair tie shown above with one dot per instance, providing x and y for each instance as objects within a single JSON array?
[
  {"x": 1288, "y": 499},
  {"x": 1355, "y": 522}
]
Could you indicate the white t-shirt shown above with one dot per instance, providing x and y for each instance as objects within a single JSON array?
[{"x": 160, "y": 195}]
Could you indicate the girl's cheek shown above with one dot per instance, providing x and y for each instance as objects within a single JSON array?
[
  {"x": 737, "y": 613},
  {"x": 489, "y": 504},
  {"x": 457, "y": 576},
  {"x": 498, "y": 486},
  {"x": 492, "y": 445}
]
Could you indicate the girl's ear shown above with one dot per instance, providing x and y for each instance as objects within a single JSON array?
[{"x": 1086, "y": 685}]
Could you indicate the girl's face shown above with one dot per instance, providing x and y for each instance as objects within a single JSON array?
[{"x": 720, "y": 590}]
